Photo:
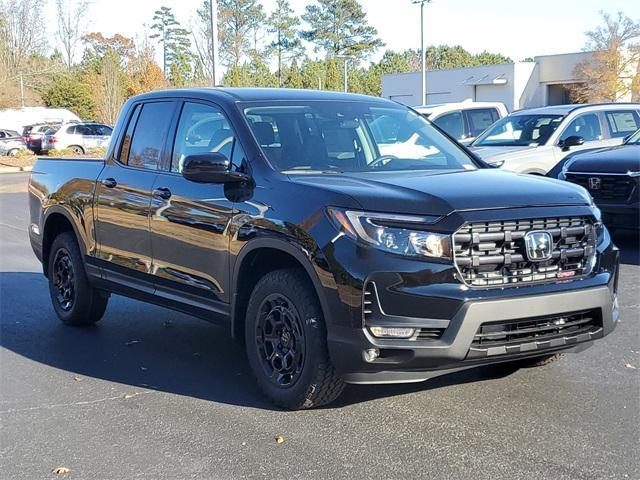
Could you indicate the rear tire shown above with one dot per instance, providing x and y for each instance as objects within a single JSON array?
[
  {"x": 77, "y": 149},
  {"x": 286, "y": 342},
  {"x": 74, "y": 300}
]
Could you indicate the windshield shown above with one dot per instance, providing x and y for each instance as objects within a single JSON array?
[
  {"x": 519, "y": 130},
  {"x": 351, "y": 137},
  {"x": 634, "y": 139}
]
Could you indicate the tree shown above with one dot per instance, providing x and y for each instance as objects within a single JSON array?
[
  {"x": 70, "y": 91},
  {"x": 202, "y": 41},
  {"x": 142, "y": 73},
  {"x": 104, "y": 65},
  {"x": 339, "y": 27},
  {"x": 71, "y": 15},
  {"x": 611, "y": 72},
  {"x": 238, "y": 22},
  {"x": 286, "y": 44},
  {"x": 176, "y": 46},
  {"x": 21, "y": 35},
  {"x": 97, "y": 46}
]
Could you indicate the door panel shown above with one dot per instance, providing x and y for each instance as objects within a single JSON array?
[
  {"x": 189, "y": 238},
  {"x": 189, "y": 220},
  {"x": 124, "y": 193}
]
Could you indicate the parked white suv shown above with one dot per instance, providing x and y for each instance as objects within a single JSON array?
[
  {"x": 535, "y": 140},
  {"x": 78, "y": 136},
  {"x": 464, "y": 121}
]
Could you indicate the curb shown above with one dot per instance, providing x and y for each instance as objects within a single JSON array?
[{"x": 15, "y": 169}]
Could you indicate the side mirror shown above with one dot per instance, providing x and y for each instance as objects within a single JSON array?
[
  {"x": 210, "y": 167},
  {"x": 572, "y": 141}
]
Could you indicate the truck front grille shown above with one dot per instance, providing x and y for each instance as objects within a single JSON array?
[
  {"x": 608, "y": 187},
  {"x": 537, "y": 333},
  {"x": 494, "y": 253}
]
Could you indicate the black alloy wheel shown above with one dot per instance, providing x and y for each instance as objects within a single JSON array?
[
  {"x": 64, "y": 279},
  {"x": 280, "y": 340}
]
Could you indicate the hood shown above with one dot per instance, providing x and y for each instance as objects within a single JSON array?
[
  {"x": 619, "y": 159},
  {"x": 440, "y": 193},
  {"x": 493, "y": 154}
]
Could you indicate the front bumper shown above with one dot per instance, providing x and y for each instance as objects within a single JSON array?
[
  {"x": 425, "y": 295},
  {"x": 409, "y": 360}
]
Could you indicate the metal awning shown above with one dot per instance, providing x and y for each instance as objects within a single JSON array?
[{"x": 485, "y": 80}]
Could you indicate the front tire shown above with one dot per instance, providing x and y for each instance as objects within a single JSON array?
[
  {"x": 74, "y": 300},
  {"x": 13, "y": 152},
  {"x": 286, "y": 342}
]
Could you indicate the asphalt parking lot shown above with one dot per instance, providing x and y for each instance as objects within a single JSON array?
[{"x": 150, "y": 393}]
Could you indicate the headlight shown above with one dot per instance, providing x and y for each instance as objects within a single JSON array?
[{"x": 401, "y": 234}]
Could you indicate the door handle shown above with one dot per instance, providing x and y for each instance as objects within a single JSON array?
[
  {"x": 109, "y": 182},
  {"x": 162, "y": 192}
]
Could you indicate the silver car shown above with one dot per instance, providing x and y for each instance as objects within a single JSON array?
[
  {"x": 11, "y": 143},
  {"x": 79, "y": 137},
  {"x": 535, "y": 140}
]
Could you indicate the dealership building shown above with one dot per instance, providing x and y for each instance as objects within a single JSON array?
[{"x": 547, "y": 80}]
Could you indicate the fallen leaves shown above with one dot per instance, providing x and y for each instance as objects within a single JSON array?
[
  {"x": 60, "y": 470},
  {"x": 628, "y": 365},
  {"x": 77, "y": 379},
  {"x": 279, "y": 439}
]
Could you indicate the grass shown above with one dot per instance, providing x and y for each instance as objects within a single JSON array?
[{"x": 27, "y": 158}]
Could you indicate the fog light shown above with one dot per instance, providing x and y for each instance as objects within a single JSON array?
[
  {"x": 392, "y": 332},
  {"x": 371, "y": 354}
]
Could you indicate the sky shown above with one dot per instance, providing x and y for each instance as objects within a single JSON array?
[{"x": 516, "y": 28}]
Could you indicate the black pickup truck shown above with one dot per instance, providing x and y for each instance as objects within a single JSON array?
[{"x": 341, "y": 238}]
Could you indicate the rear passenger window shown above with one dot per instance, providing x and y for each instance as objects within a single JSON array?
[
  {"x": 71, "y": 130},
  {"x": 622, "y": 122},
  {"x": 149, "y": 135},
  {"x": 102, "y": 130},
  {"x": 202, "y": 128},
  {"x": 451, "y": 123},
  {"x": 480, "y": 119}
]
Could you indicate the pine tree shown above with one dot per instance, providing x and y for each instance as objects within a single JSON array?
[
  {"x": 339, "y": 27},
  {"x": 286, "y": 44},
  {"x": 239, "y": 22},
  {"x": 176, "y": 46}
]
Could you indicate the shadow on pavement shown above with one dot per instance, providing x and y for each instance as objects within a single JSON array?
[{"x": 149, "y": 347}]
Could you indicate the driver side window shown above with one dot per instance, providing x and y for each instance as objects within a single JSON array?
[
  {"x": 202, "y": 128},
  {"x": 586, "y": 126}
]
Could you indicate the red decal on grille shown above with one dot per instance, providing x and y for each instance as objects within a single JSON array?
[{"x": 567, "y": 273}]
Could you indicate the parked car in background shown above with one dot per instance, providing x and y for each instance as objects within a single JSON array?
[
  {"x": 32, "y": 135},
  {"x": 535, "y": 140},
  {"x": 612, "y": 177},
  {"x": 11, "y": 146},
  {"x": 5, "y": 133},
  {"x": 464, "y": 121},
  {"x": 78, "y": 136}
]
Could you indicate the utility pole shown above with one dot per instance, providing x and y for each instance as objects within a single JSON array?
[
  {"x": 346, "y": 70},
  {"x": 213, "y": 4},
  {"x": 21, "y": 90},
  {"x": 422, "y": 51}
]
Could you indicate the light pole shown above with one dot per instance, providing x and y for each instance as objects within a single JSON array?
[
  {"x": 346, "y": 70},
  {"x": 213, "y": 5},
  {"x": 422, "y": 52}
]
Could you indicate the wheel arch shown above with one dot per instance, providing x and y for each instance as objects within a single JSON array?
[
  {"x": 257, "y": 258},
  {"x": 57, "y": 221}
]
